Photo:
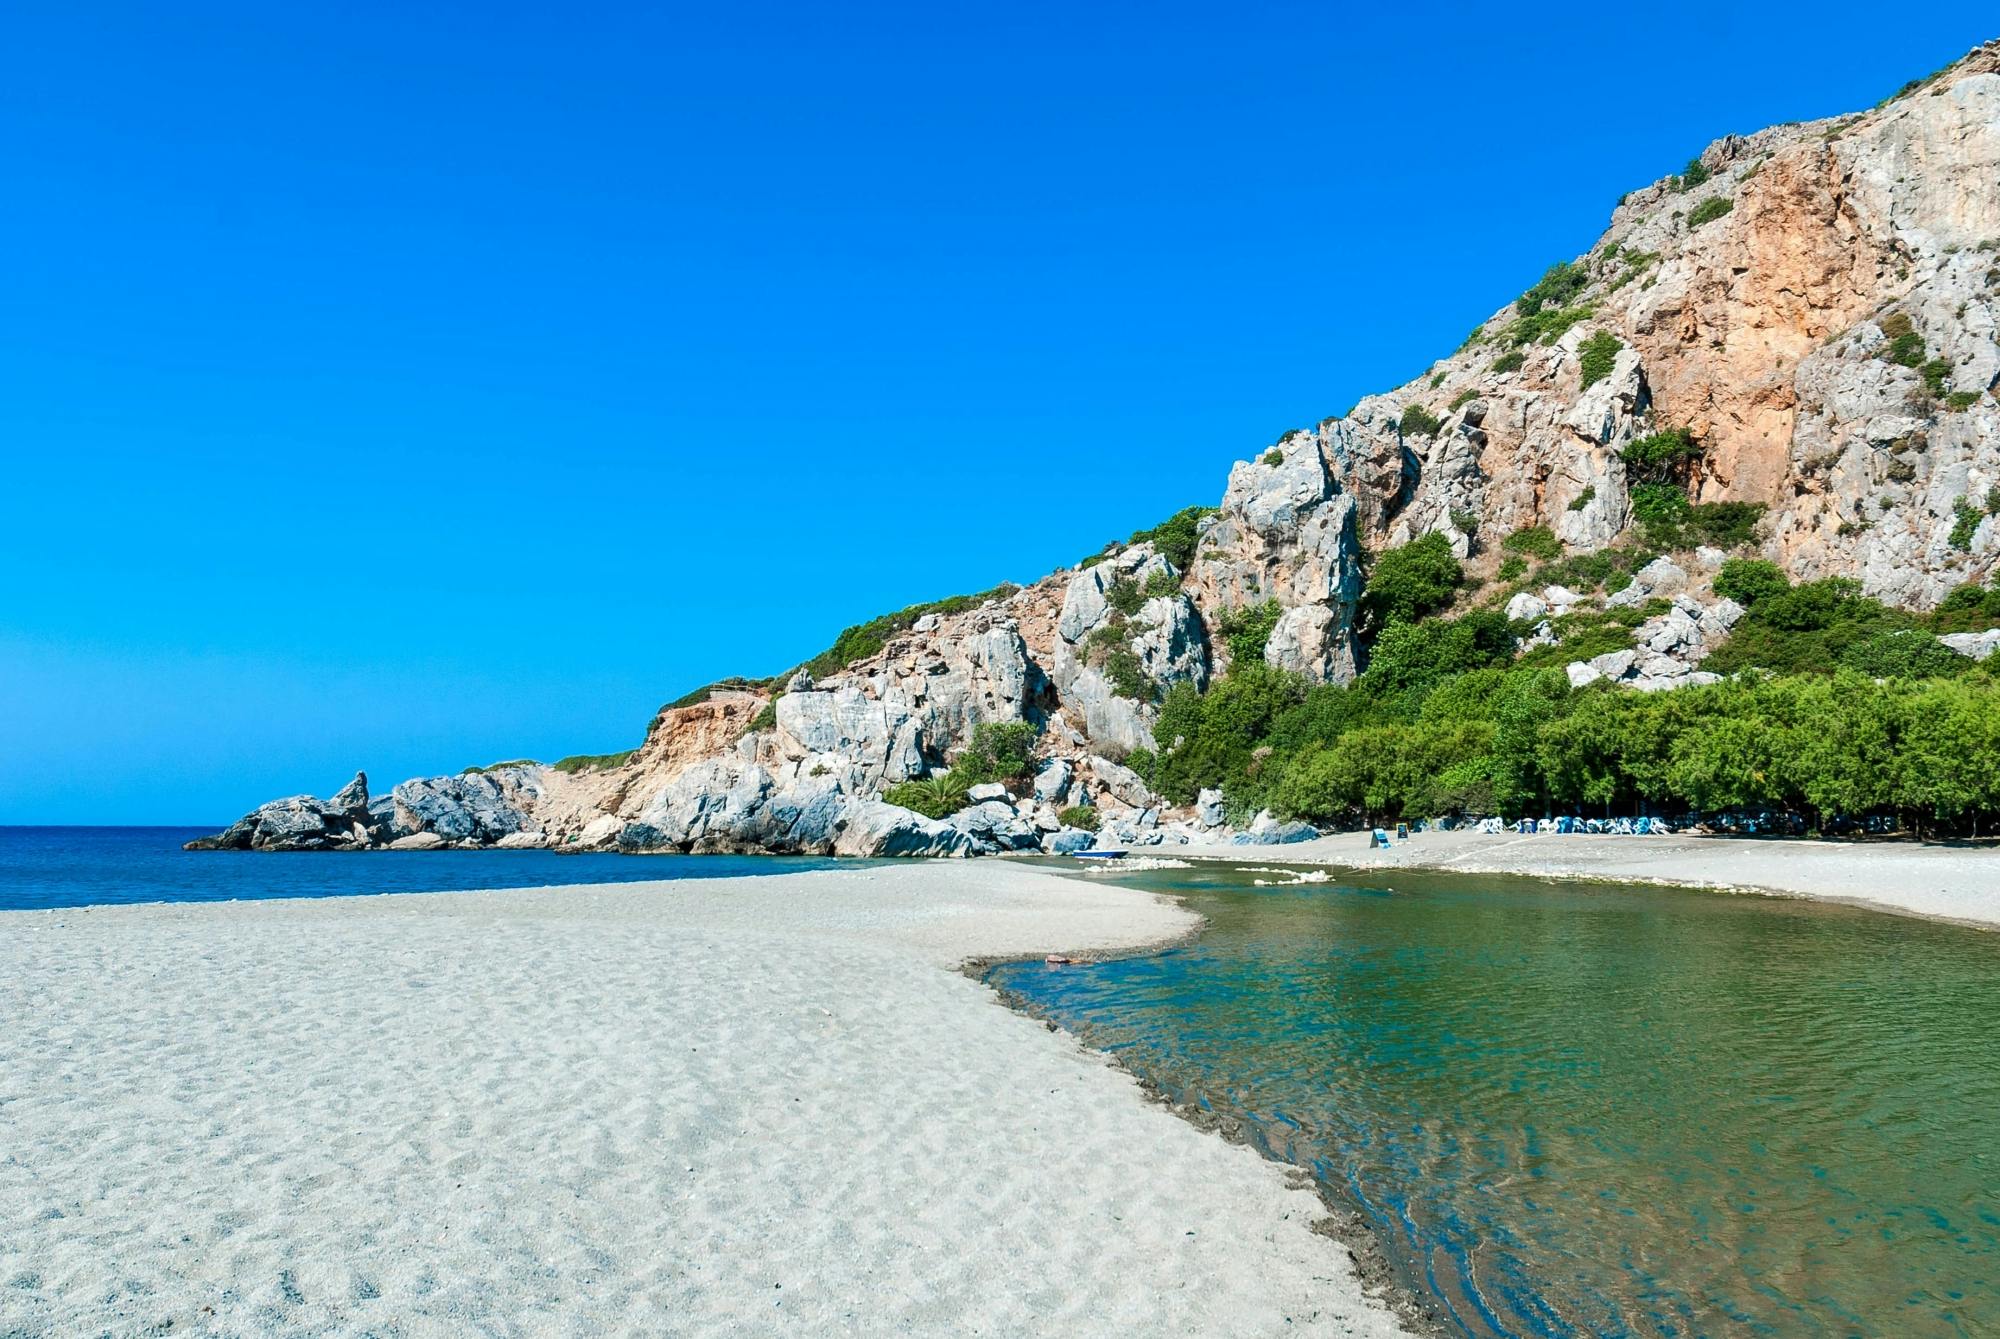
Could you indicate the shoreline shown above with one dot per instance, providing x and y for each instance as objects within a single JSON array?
[
  {"x": 768, "y": 1103},
  {"x": 1929, "y": 882}
]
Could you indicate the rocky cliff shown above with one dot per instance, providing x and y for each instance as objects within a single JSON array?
[{"x": 1806, "y": 317}]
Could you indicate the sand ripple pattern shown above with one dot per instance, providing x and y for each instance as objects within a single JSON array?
[{"x": 726, "y": 1107}]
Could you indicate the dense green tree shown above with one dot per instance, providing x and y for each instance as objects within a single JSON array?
[{"x": 1416, "y": 579}]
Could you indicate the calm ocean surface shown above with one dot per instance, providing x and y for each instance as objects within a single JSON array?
[
  {"x": 1575, "y": 1110},
  {"x": 74, "y": 867}
]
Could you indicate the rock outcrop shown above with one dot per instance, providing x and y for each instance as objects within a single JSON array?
[{"x": 1816, "y": 306}]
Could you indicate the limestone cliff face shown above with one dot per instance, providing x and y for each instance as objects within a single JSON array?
[
  {"x": 1761, "y": 332},
  {"x": 1766, "y": 302}
]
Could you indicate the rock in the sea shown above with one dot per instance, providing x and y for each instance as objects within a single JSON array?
[{"x": 351, "y": 800}]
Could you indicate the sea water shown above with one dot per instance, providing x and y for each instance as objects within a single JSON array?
[
  {"x": 79, "y": 866},
  {"x": 1593, "y": 1110}
]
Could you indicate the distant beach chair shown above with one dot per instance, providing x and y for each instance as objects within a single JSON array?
[
  {"x": 1402, "y": 832},
  {"x": 1377, "y": 837}
]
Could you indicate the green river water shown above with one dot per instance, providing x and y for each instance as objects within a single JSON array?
[{"x": 1570, "y": 1109}]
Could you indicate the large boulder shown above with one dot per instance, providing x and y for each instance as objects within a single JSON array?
[
  {"x": 300, "y": 823},
  {"x": 875, "y": 828},
  {"x": 481, "y": 808}
]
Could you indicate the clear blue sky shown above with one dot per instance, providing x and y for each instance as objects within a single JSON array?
[{"x": 411, "y": 386}]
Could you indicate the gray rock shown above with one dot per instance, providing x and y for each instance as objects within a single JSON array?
[
  {"x": 1526, "y": 606},
  {"x": 1171, "y": 642},
  {"x": 986, "y": 790},
  {"x": 994, "y": 826},
  {"x": 1122, "y": 783},
  {"x": 1582, "y": 673},
  {"x": 351, "y": 800},
  {"x": 480, "y": 808},
  {"x": 1052, "y": 781},
  {"x": 1978, "y": 645},
  {"x": 1068, "y": 841},
  {"x": 1559, "y": 598},
  {"x": 1614, "y": 664},
  {"x": 1208, "y": 809},
  {"x": 1277, "y": 834},
  {"x": 878, "y": 829}
]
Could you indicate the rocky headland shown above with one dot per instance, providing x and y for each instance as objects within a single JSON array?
[{"x": 1787, "y": 350}]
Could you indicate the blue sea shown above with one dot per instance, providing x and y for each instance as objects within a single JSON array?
[{"x": 77, "y": 866}]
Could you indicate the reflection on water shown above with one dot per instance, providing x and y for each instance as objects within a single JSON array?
[{"x": 1581, "y": 1110}]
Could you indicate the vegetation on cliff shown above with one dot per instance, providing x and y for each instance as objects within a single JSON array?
[{"x": 1840, "y": 707}]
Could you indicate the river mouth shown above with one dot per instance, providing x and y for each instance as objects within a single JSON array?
[{"x": 1577, "y": 1109}]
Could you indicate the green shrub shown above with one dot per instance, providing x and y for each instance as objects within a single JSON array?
[
  {"x": 1936, "y": 374},
  {"x": 1906, "y": 346},
  {"x": 1080, "y": 816},
  {"x": 999, "y": 751},
  {"x": 1693, "y": 175},
  {"x": 1583, "y": 635},
  {"x": 1508, "y": 362},
  {"x": 1597, "y": 355},
  {"x": 1666, "y": 454},
  {"x": 1416, "y": 579},
  {"x": 1962, "y": 400},
  {"x": 1174, "y": 538},
  {"x": 1407, "y": 655},
  {"x": 1969, "y": 608},
  {"x": 1903, "y": 653},
  {"x": 1160, "y": 584},
  {"x": 1420, "y": 422},
  {"x": 1437, "y": 381},
  {"x": 1561, "y": 282},
  {"x": 1109, "y": 648},
  {"x": 1274, "y": 457},
  {"x": 765, "y": 719},
  {"x": 1124, "y": 595},
  {"x": 1460, "y": 400},
  {"x": 1534, "y": 541},
  {"x": 1725, "y": 525},
  {"x": 1709, "y": 210},
  {"x": 867, "y": 639},
  {"x": 1547, "y": 326},
  {"x": 1583, "y": 499},
  {"x": 1660, "y": 504},
  {"x": 936, "y": 796},
  {"x": 592, "y": 762},
  {"x": 1247, "y": 629},
  {"x": 1465, "y": 522},
  {"x": 499, "y": 766},
  {"x": 1966, "y": 520},
  {"x": 1127, "y": 675},
  {"x": 1512, "y": 568},
  {"x": 1750, "y": 580}
]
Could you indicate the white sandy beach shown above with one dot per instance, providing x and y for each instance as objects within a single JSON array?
[
  {"x": 1949, "y": 883},
  {"x": 746, "y": 1106}
]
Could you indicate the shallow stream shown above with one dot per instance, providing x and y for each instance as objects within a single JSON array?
[{"x": 1571, "y": 1109}]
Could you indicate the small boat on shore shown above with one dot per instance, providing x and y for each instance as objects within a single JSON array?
[{"x": 1099, "y": 855}]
